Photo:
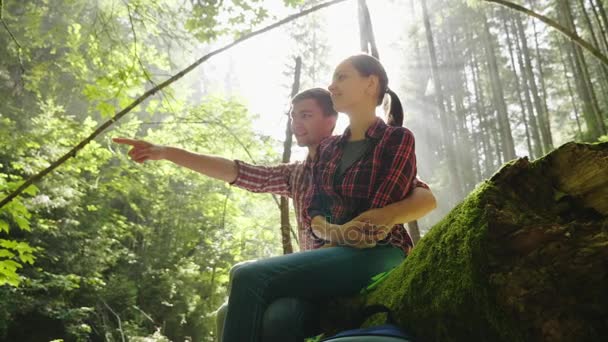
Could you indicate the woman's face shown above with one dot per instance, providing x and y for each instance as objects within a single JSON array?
[{"x": 349, "y": 89}]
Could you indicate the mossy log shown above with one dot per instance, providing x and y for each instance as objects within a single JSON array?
[{"x": 523, "y": 258}]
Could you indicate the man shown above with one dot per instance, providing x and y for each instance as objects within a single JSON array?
[{"x": 313, "y": 119}]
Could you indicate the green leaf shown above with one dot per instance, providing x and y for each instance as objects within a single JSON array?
[
  {"x": 105, "y": 109},
  {"x": 4, "y": 227},
  {"x": 22, "y": 222},
  {"x": 4, "y": 253},
  {"x": 31, "y": 190},
  {"x": 8, "y": 273}
]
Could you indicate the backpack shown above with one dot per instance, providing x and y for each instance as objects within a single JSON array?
[{"x": 388, "y": 332}]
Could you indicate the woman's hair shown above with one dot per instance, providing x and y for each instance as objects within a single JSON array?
[{"x": 368, "y": 65}]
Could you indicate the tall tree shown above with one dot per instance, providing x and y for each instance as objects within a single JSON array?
[
  {"x": 518, "y": 87},
  {"x": 284, "y": 206},
  {"x": 506, "y": 137},
  {"x": 541, "y": 115},
  {"x": 591, "y": 111}
]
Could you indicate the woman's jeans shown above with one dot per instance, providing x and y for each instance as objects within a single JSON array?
[{"x": 311, "y": 275}]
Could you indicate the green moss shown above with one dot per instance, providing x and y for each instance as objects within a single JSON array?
[
  {"x": 441, "y": 281},
  {"x": 487, "y": 271},
  {"x": 463, "y": 280}
]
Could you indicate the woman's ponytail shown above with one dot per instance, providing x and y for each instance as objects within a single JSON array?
[{"x": 395, "y": 113}]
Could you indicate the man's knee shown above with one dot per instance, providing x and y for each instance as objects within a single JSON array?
[
  {"x": 234, "y": 269},
  {"x": 245, "y": 274},
  {"x": 289, "y": 319}
]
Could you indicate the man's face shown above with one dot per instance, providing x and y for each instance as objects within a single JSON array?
[{"x": 308, "y": 123}]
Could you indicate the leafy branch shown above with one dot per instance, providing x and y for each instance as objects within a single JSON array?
[{"x": 72, "y": 153}]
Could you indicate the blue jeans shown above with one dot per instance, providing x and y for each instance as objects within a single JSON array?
[
  {"x": 311, "y": 275},
  {"x": 285, "y": 320}
]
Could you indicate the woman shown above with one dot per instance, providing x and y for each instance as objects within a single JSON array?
[{"x": 371, "y": 166}]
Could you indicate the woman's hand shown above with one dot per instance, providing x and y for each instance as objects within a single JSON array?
[
  {"x": 142, "y": 150},
  {"x": 355, "y": 234},
  {"x": 376, "y": 222},
  {"x": 350, "y": 234}
]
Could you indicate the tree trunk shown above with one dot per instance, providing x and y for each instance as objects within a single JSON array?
[
  {"x": 531, "y": 153},
  {"x": 498, "y": 97},
  {"x": 603, "y": 80},
  {"x": 572, "y": 35},
  {"x": 462, "y": 134},
  {"x": 535, "y": 132},
  {"x": 540, "y": 110},
  {"x": 584, "y": 87},
  {"x": 284, "y": 206},
  {"x": 479, "y": 108},
  {"x": 543, "y": 87},
  {"x": 366, "y": 30},
  {"x": 569, "y": 86},
  {"x": 456, "y": 183},
  {"x": 602, "y": 20},
  {"x": 522, "y": 258}
]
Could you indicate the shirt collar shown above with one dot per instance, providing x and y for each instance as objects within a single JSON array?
[
  {"x": 310, "y": 161},
  {"x": 375, "y": 131}
]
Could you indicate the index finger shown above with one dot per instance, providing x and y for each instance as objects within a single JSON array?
[{"x": 127, "y": 141}]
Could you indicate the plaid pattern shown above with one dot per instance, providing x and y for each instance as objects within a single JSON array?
[
  {"x": 384, "y": 175},
  {"x": 290, "y": 180}
]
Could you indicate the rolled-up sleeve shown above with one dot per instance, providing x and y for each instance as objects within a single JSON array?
[{"x": 264, "y": 179}]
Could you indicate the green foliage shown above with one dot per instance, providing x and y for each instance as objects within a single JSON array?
[
  {"x": 212, "y": 19},
  {"x": 103, "y": 239}
]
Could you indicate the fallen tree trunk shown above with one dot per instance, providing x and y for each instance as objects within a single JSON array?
[{"x": 523, "y": 258}]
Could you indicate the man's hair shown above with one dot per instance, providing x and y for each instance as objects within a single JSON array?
[{"x": 320, "y": 95}]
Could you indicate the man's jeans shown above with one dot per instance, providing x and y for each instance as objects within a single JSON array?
[
  {"x": 285, "y": 320},
  {"x": 309, "y": 276}
]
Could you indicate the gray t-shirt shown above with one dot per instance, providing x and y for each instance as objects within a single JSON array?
[{"x": 353, "y": 150}]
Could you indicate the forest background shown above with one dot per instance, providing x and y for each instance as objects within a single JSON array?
[{"x": 107, "y": 249}]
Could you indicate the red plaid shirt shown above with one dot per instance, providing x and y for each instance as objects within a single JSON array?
[
  {"x": 386, "y": 174},
  {"x": 291, "y": 180}
]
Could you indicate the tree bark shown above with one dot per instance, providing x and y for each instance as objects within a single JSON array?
[
  {"x": 498, "y": 96},
  {"x": 538, "y": 105},
  {"x": 593, "y": 117},
  {"x": 367, "y": 38},
  {"x": 522, "y": 258},
  {"x": 481, "y": 114},
  {"x": 284, "y": 205},
  {"x": 448, "y": 147},
  {"x": 533, "y": 121},
  {"x": 531, "y": 153},
  {"x": 543, "y": 87},
  {"x": 603, "y": 80},
  {"x": 601, "y": 22},
  {"x": 569, "y": 86}
]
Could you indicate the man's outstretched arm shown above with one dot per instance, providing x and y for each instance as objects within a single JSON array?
[
  {"x": 261, "y": 179},
  {"x": 211, "y": 166}
]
